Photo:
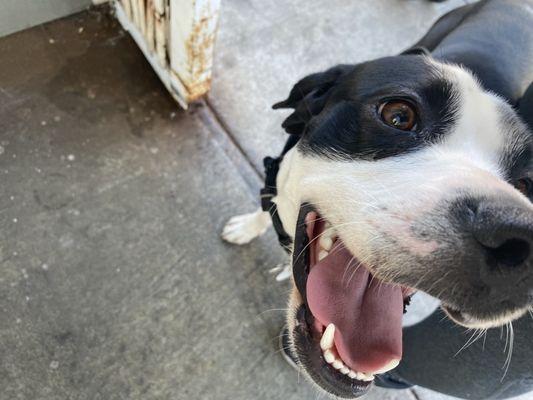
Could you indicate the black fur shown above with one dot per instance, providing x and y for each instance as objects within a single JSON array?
[
  {"x": 337, "y": 112},
  {"x": 491, "y": 38},
  {"x": 308, "y": 97}
]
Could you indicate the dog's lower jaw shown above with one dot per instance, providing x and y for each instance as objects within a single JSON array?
[
  {"x": 307, "y": 364},
  {"x": 311, "y": 365}
]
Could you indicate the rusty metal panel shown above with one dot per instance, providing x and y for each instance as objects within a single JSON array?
[
  {"x": 177, "y": 37},
  {"x": 193, "y": 29}
]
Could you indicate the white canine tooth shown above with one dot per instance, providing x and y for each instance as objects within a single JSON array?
[
  {"x": 337, "y": 364},
  {"x": 352, "y": 374},
  {"x": 391, "y": 365},
  {"x": 326, "y": 242},
  {"x": 327, "y": 337},
  {"x": 329, "y": 356},
  {"x": 322, "y": 254},
  {"x": 344, "y": 370}
]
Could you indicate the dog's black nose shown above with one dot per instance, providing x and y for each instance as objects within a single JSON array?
[
  {"x": 489, "y": 257},
  {"x": 511, "y": 253},
  {"x": 504, "y": 231}
]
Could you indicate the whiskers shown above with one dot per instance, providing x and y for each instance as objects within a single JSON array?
[
  {"x": 509, "y": 338},
  {"x": 272, "y": 310},
  {"x": 478, "y": 333},
  {"x": 508, "y": 347}
]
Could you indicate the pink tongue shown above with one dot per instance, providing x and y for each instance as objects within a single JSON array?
[{"x": 367, "y": 317}]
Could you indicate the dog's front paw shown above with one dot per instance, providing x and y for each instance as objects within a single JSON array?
[{"x": 242, "y": 229}]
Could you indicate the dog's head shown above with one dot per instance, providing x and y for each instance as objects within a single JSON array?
[{"x": 408, "y": 175}]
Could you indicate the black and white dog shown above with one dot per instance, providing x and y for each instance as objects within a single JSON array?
[{"x": 406, "y": 173}]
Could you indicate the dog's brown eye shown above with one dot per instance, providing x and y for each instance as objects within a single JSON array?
[
  {"x": 399, "y": 114},
  {"x": 524, "y": 185}
]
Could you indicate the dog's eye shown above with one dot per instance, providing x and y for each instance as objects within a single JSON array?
[
  {"x": 399, "y": 114},
  {"x": 524, "y": 185}
]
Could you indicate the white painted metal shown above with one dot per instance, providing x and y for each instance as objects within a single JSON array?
[
  {"x": 193, "y": 29},
  {"x": 177, "y": 37},
  {"x": 171, "y": 82},
  {"x": 159, "y": 6}
]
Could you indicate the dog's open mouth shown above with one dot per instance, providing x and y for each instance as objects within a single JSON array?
[{"x": 349, "y": 326}]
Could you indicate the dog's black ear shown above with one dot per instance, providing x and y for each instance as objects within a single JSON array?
[
  {"x": 308, "y": 97},
  {"x": 525, "y": 106}
]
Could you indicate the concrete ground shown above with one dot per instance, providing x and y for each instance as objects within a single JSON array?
[{"x": 114, "y": 283}]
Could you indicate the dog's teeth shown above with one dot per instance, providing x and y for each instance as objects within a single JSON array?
[
  {"x": 365, "y": 377},
  {"x": 326, "y": 344},
  {"x": 326, "y": 242},
  {"x": 329, "y": 356},
  {"x": 391, "y": 365},
  {"x": 327, "y": 338},
  {"x": 322, "y": 254}
]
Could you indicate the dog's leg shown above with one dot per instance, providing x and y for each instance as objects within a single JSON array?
[{"x": 242, "y": 229}]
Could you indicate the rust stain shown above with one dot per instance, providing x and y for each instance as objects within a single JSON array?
[
  {"x": 199, "y": 89},
  {"x": 199, "y": 47}
]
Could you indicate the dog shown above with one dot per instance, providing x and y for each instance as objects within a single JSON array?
[{"x": 401, "y": 174}]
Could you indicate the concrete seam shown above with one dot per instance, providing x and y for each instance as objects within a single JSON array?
[
  {"x": 230, "y": 145},
  {"x": 231, "y": 137},
  {"x": 415, "y": 395}
]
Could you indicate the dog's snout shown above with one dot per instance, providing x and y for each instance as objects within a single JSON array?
[
  {"x": 493, "y": 255},
  {"x": 504, "y": 231}
]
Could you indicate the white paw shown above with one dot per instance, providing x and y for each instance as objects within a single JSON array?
[{"x": 242, "y": 229}]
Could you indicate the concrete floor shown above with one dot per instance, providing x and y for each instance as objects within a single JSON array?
[{"x": 114, "y": 283}]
